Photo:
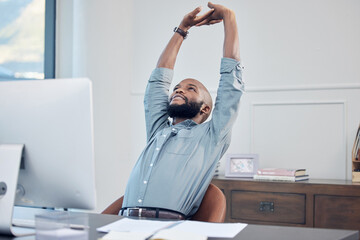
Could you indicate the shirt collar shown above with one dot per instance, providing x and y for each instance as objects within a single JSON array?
[{"x": 188, "y": 123}]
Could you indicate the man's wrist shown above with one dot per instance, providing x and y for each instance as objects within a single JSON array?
[
  {"x": 181, "y": 31},
  {"x": 228, "y": 14},
  {"x": 184, "y": 28}
]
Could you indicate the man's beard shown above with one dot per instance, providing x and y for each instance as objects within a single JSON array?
[{"x": 186, "y": 110}]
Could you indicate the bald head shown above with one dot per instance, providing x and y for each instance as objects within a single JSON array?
[{"x": 193, "y": 94}]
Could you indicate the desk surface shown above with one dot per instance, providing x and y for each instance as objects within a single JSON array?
[{"x": 251, "y": 232}]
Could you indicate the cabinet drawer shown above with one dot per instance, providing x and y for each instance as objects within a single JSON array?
[
  {"x": 337, "y": 212},
  {"x": 268, "y": 207}
]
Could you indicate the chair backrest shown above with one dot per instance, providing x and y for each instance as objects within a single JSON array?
[
  {"x": 212, "y": 207},
  {"x": 115, "y": 207}
]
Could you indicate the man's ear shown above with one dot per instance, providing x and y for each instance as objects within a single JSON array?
[{"x": 205, "y": 109}]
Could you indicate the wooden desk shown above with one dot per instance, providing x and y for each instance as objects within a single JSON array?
[
  {"x": 315, "y": 203},
  {"x": 251, "y": 232}
]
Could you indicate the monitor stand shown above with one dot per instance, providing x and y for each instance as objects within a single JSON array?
[{"x": 10, "y": 159}]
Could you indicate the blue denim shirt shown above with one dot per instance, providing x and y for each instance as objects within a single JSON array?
[{"x": 179, "y": 161}]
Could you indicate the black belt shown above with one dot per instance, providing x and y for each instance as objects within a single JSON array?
[{"x": 151, "y": 213}]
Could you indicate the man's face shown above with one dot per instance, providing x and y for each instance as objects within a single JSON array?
[{"x": 186, "y": 100}]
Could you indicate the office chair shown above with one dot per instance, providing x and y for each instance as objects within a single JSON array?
[
  {"x": 115, "y": 207},
  {"x": 212, "y": 207}
]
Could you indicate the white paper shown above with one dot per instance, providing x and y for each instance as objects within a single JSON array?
[
  {"x": 220, "y": 230},
  {"x": 125, "y": 236},
  {"x": 136, "y": 225},
  {"x": 171, "y": 234}
]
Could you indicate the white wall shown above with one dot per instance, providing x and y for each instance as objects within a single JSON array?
[
  {"x": 94, "y": 41},
  {"x": 301, "y": 67}
]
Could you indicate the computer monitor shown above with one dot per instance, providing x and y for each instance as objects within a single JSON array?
[{"x": 53, "y": 119}]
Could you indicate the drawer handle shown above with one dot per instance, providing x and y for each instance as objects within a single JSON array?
[{"x": 266, "y": 207}]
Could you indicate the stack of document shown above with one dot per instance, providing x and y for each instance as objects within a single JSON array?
[
  {"x": 137, "y": 229},
  {"x": 281, "y": 174}
]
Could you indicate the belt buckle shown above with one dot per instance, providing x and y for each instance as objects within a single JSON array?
[{"x": 134, "y": 208}]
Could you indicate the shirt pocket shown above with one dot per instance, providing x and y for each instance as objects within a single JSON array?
[{"x": 181, "y": 144}]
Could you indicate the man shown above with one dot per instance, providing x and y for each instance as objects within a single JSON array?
[{"x": 173, "y": 172}]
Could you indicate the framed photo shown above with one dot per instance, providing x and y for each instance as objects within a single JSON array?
[{"x": 241, "y": 165}]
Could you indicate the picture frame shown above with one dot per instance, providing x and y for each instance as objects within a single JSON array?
[{"x": 241, "y": 165}]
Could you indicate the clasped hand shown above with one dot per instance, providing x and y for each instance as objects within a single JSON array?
[{"x": 213, "y": 16}]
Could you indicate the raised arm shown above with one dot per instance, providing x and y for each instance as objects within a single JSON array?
[
  {"x": 168, "y": 56},
  {"x": 231, "y": 85},
  {"x": 231, "y": 41}
]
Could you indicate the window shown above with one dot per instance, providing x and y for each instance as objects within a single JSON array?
[{"x": 27, "y": 39}]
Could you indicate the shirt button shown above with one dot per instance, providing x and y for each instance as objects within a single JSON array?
[
  {"x": 145, "y": 182},
  {"x": 151, "y": 164},
  {"x": 139, "y": 200},
  {"x": 164, "y": 135},
  {"x": 157, "y": 149},
  {"x": 239, "y": 67}
]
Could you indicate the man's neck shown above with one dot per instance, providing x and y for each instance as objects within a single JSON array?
[{"x": 177, "y": 120}]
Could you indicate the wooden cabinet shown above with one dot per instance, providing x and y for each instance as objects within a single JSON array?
[
  {"x": 312, "y": 203},
  {"x": 337, "y": 212},
  {"x": 268, "y": 207}
]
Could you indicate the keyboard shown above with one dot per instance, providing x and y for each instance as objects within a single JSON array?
[{"x": 25, "y": 223}]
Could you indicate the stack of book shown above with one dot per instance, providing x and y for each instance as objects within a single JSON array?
[
  {"x": 281, "y": 174},
  {"x": 355, "y": 155},
  {"x": 217, "y": 169},
  {"x": 356, "y": 147}
]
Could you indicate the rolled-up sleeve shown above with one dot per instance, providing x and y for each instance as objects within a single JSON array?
[
  {"x": 231, "y": 87},
  {"x": 156, "y": 100}
]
